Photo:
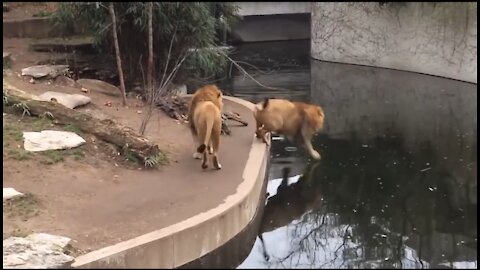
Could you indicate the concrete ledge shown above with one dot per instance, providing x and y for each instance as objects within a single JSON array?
[
  {"x": 193, "y": 238},
  {"x": 43, "y": 27}
]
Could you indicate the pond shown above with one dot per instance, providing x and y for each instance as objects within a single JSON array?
[{"x": 397, "y": 183}]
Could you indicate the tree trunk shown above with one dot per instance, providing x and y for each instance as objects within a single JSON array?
[
  {"x": 106, "y": 130},
  {"x": 117, "y": 53},
  {"x": 150, "y": 85}
]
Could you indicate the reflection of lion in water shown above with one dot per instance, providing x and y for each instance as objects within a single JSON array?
[
  {"x": 205, "y": 121},
  {"x": 298, "y": 121}
]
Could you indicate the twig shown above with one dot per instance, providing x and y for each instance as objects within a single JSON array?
[
  {"x": 250, "y": 76},
  {"x": 141, "y": 69},
  {"x": 255, "y": 67},
  {"x": 235, "y": 117},
  {"x": 168, "y": 56}
]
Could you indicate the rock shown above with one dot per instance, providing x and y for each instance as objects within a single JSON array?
[
  {"x": 7, "y": 59},
  {"x": 67, "y": 100},
  {"x": 99, "y": 86},
  {"x": 179, "y": 90},
  {"x": 39, "y": 71},
  {"x": 9, "y": 193},
  {"x": 38, "y": 250},
  {"x": 51, "y": 140},
  {"x": 66, "y": 81}
]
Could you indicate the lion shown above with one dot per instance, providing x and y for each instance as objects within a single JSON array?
[
  {"x": 205, "y": 123},
  {"x": 298, "y": 121}
]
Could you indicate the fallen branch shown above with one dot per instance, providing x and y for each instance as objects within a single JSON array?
[
  {"x": 247, "y": 74},
  {"x": 107, "y": 130},
  {"x": 177, "y": 108},
  {"x": 235, "y": 117}
]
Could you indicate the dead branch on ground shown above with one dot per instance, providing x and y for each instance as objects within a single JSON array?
[{"x": 126, "y": 139}]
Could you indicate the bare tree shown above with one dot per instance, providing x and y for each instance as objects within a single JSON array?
[
  {"x": 167, "y": 76},
  {"x": 117, "y": 53}
]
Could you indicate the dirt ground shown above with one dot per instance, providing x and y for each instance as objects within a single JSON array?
[
  {"x": 26, "y": 10},
  {"x": 87, "y": 193}
]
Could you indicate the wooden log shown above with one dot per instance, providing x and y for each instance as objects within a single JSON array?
[{"x": 107, "y": 130}]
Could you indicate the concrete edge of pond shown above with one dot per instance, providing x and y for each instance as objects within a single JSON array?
[{"x": 199, "y": 236}]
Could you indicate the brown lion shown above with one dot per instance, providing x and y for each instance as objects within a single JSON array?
[
  {"x": 205, "y": 122},
  {"x": 298, "y": 121}
]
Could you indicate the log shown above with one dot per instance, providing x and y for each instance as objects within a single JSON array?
[
  {"x": 107, "y": 130},
  {"x": 177, "y": 108}
]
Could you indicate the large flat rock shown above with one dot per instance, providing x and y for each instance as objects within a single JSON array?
[
  {"x": 36, "y": 251},
  {"x": 40, "y": 71}
]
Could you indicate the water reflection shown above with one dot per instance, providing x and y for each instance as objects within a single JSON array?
[
  {"x": 366, "y": 207},
  {"x": 396, "y": 186},
  {"x": 275, "y": 64}
]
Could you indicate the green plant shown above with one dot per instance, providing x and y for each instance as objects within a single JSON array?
[
  {"x": 53, "y": 156},
  {"x": 22, "y": 106},
  {"x": 154, "y": 161},
  {"x": 179, "y": 27},
  {"x": 24, "y": 207},
  {"x": 73, "y": 128},
  {"x": 129, "y": 155},
  {"x": 42, "y": 14}
]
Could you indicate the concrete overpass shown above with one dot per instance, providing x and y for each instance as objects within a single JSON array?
[{"x": 272, "y": 21}]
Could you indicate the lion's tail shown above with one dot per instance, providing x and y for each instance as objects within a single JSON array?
[{"x": 206, "y": 138}]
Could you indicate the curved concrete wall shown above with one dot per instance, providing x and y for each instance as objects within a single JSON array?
[
  {"x": 191, "y": 239},
  {"x": 432, "y": 38}
]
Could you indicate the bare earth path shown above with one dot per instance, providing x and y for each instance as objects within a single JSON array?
[{"x": 97, "y": 203}]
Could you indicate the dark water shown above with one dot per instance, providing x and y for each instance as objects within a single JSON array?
[{"x": 397, "y": 183}]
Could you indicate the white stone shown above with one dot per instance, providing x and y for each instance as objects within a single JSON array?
[
  {"x": 67, "y": 100},
  {"x": 40, "y": 71},
  {"x": 9, "y": 193},
  {"x": 36, "y": 251},
  {"x": 51, "y": 140}
]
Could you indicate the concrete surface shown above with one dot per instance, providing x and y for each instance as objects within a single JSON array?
[
  {"x": 432, "y": 38},
  {"x": 272, "y": 8},
  {"x": 190, "y": 239}
]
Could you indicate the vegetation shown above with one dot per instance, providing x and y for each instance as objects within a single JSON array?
[
  {"x": 25, "y": 207},
  {"x": 179, "y": 29}
]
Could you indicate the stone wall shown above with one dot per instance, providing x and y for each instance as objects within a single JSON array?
[{"x": 433, "y": 38}]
